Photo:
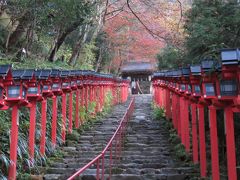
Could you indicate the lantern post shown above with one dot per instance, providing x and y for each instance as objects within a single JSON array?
[
  {"x": 86, "y": 89},
  {"x": 66, "y": 88},
  {"x": 34, "y": 94},
  {"x": 195, "y": 81},
  {"x": 180, "y": 90},
  {"x": 166, "y": 90},
  {"x": 185, "y": 91},
  {"x": 82, "y": 94},
  {"x": 209, "y": 93},
  {"x": 101, "y": 93},
  {"x": 15, "y": 97},
  {"x": 179, "y": 102},
  {"x": 228, "y": 93},
  {"x": 57, "y": 91},
  {"x": 74, "y": 76},
  {"x": 43, "y": 77}
]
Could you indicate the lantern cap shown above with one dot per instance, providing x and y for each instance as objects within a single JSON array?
[
  {"x": 74, "y": 73},
  {"x": 42, "y": 74},
  {"x": 28, "y": 74},
  {"x": 4, "y": 70},
  {"x": 54, "y": 73},
  {"x": 230, "y": 56},
  {"x": 158, "y": 74},
  {"x": 169, "y": 73},
  {"x": 87, "y": 72},
  {"x": 18, "y": 74},
  {"x": 185, "y": 71},
  {"x": 207, "y": 65},
  {"x": 195, "y": 70},
  {"x": 64, "y": 73},
  {"x": 177, "y": 73}
]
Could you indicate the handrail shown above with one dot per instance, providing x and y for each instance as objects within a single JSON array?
[{"x": 99, "y": 157}]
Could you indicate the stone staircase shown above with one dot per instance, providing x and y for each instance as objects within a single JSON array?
[
  {"x": 91, "y": 143},
  {"x": 147, "y": 154}
]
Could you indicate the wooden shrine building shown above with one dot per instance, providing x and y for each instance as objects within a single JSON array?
[{"x": 140, "y": 75}]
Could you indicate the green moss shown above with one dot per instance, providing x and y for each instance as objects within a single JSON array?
[
  {"x": 74, "y": 136},
  {"x": 158, "y": 113},
  {"x": 24, "y": 176}
]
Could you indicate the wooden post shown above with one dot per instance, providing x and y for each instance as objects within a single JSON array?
[
  {"x": 13, "y": 144},
  {"x": 77, "y": 110},
  {"x": 187, "y": 136},
  {"x": 64, "y": 103},
  {"x": 70, "y": 112},
  {"x": 182, "y": 119},
  {"x": 54, "y": 121},
  {"x": 202, "y": 144},
  {"x": 214, "y": 142},
  {"x": 230, "y": 142},
  {"x": 43, "y": 127},
  {"x": 32, "y": 130},
  {"x": 194, "y": 133}
]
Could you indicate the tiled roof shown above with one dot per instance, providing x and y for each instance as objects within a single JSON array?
[{"x": 137, "y": 67}]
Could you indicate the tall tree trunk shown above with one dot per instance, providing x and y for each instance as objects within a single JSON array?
[
  {"x": 17, "y": 34},
  {"x": 78, "y": 45},
  {"x": 121, "y": 62},
  {"x": 99, "y": 60},
  {"x": 75, "y": 53},
  {"x": 62, "y": 38}
]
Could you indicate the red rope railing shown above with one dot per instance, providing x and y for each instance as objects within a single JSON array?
[{"x": 113, "y": 147}]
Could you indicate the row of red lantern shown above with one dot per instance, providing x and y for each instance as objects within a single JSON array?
[
  {"x": 209, "y": 85},
  {"x": 27, "y": 87}
]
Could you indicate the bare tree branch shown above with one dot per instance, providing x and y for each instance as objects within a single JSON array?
[
  {"x": 153, "y": 34},
  {"x": 105, "y": 12},
  {"x": 115, "y": 15},
  {"x": 181, "y": 13}
]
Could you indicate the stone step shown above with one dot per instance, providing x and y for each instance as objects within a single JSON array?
[
  {"x": 119, "y": 175},
  {"x": 146, "y": 155}
]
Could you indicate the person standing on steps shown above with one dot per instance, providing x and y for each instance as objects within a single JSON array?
[{"x": 133, "y": 85}]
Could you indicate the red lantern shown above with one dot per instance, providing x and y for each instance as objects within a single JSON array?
[
  {"x": 15, "y": 97},
  {"x": 16, "y": 90},
  {"x": 195, "y": 80},
  {"x": 208, "y": 79},
  {"x": 43, "y": 77},
  {"x": 5, "y": 76}
]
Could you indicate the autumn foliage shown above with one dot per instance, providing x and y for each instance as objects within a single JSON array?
[{"x": 138, "y": 29}]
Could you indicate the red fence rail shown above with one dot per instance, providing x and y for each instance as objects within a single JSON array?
[
  {"x": 191, "y": 90},
  {"x": 113, "y": 148},
  {"x": 19, "y": 88}
]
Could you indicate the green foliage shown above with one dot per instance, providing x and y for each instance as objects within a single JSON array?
[
  {"x": 44, "y": 22},
  {"x": 82, "y": 112},
  {"x": 158, "y": 113},
  {"x": 35, "y": 63},
  {"x": 107, "y": 102},
  {"x": 169, "y": 58},
  {"x": 210, "y": 26},
  {"x": 180, "y": 152},
  {"x": 178, "y": 147},
  {"x": 103, "y": 50},
  {"x": 3, "y": 35},
  {"x": 88, "y": 56},
  {"x": 91, "y": 108},
  {"x": 25, "y": 176}
]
